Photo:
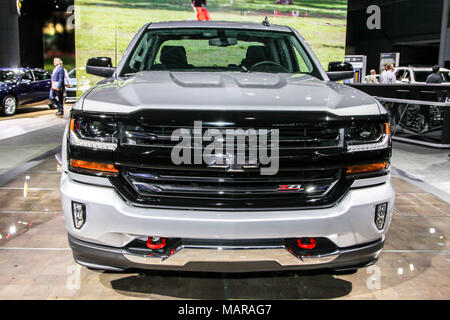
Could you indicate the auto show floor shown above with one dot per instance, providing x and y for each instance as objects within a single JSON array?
[
  {"x": 27, "y": 135},
  {"x": 30, "y": 112},
  {"x": 36, "y": 261}
]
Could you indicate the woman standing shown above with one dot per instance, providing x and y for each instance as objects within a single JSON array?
[{"x": 200, "y": 9}]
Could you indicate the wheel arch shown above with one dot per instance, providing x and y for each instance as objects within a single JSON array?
[{"x": 10, "y": 93}]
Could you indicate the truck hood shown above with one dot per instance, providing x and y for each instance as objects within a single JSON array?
[{"x": 227, "y": 91}]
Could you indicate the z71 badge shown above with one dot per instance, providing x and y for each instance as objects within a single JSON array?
[{"x": 289, "y": 187}]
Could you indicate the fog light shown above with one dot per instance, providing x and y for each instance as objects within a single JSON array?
[
  {"x": 380, "y": 215},
  {"x": 78, "y": 214}
]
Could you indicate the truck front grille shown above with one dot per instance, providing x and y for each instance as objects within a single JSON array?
[
  {"x": 221, "y": 190},
  {"x": 312, "y": 160}
]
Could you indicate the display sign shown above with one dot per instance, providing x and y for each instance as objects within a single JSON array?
[
  {"x": 359, "y": 67},
  {"x": 391, "y": 57}
]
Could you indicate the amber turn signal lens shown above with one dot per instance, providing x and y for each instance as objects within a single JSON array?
[
  {"x": 387, "y": 128},
  {"x": 72, "y": 124},
  {"x": 103, "y": 167},
  {"x": 367, "y": 167}
]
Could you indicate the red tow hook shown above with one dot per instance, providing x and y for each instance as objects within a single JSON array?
[
  {"x": 160, "y": 243},
  {"x": 303, "y": 245}
]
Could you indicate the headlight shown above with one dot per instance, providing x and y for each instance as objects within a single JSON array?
[
  {"x": 93, "y": 133},
  {"x": 366, "y": 137}
]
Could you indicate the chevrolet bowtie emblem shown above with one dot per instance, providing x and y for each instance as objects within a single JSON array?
[{"x": 229, "y": 163}]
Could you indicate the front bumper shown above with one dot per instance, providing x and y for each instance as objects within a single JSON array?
[
  {"x": 233, "y": 260},
  {"x": 111, "y": 224}
]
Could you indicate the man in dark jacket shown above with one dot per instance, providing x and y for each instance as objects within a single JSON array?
[
  {"x": 58, "y": 85},
  {"x": 435, "y": 77}
]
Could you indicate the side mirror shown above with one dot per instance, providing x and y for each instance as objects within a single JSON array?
[
  {"x": 25, "y": 81},
  {"x": 340, "y": 71},
  {"x": 405, "y": 80},
  {"x": 100, "y": 66}
]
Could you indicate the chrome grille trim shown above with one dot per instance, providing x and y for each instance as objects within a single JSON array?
[{"x": 160, "y": 183}]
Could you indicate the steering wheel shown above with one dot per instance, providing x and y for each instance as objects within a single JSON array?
[{"x": 267, "y": 62}]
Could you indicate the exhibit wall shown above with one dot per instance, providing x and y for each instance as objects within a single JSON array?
[{"x": 101, "y": 26}]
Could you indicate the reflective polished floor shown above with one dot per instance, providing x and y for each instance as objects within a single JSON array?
[{"x": 36, "y": 261}]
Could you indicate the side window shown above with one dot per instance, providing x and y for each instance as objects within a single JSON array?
[
  {"x": 399, "y": 74},
  {"x": 39, "y": 75},
  {"x": 407, "y": 75},
  {"x": 27, "y": 76},
  {"x": 445, "y": 76},
  {"x": 141, "y": 55}
]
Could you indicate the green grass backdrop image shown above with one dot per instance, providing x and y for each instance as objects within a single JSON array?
[{"x": 100, "y": 25}]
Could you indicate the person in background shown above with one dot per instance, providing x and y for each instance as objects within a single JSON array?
[
  {"x": 372, "y": 77},
  {"x": 389, "y": 76},
  {"x": 57, "y": 90},
  {"x": 200, "y": 9},
  {"x": 66, "y": 77},
  {"x": 435, "y": 77},
  {"x": 53, "y": 103},
  {"x": 383, "y": 73}
]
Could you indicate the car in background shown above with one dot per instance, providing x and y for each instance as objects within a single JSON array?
[
  {"x": 71, "y": 90},
  {"x": 82, "y": 84},
  {"x": 416, "y": 74},
  {"x": 23, "y": 87}
]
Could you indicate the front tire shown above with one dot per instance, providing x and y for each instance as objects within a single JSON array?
[{"x": 9, "y": 106}]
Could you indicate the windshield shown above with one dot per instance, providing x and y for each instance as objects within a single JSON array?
[
  {"x": 72, "y": 73},
  {"x": 421, "y": 76},
  {"x": 219, "y": 50},
  {"x": 8, "y": 76}
]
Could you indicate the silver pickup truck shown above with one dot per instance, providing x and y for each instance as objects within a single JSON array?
[{"x": 221, "y": 146}]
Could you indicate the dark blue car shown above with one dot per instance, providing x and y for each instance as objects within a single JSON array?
[{"x": 23, "y": 87}]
